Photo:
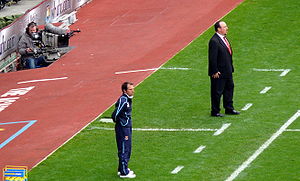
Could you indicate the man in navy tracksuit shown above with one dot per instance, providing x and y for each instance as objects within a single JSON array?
[{"x": 123, "y": 129}]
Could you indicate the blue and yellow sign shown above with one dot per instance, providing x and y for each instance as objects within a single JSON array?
[{"x": 15, "y": 173}]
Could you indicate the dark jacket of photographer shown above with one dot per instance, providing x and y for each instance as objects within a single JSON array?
[{"x": 24, "y": 43}]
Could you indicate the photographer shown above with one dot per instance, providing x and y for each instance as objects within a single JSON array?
[{"x": 29, "y": 47}]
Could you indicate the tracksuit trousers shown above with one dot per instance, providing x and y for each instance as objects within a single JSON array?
[{"x": 123, "y": 138}]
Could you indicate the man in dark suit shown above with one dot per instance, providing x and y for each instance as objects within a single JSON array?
[{"x": 220, "y": 70}]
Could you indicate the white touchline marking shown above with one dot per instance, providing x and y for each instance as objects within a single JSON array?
[
  {"x": 157, "y": 129},
  {"x": 183, "y": 129},
  {"x": 42, "y": 80},
  {"x": 265, "y": 90},
  {"x": 284, "y": 71},
  {"x": 106, "y": 120},
  {"x": 174, "y": 68},
  {"x": 198, "y": 150},
  {"x": 217, "y": 131},
  {"x": 222, "y": 129},
  {"x": 263, "y": 147},
  {"x": 296, "y": 130},
  {"x": 269, "y": 70},
  {"x": 177, "y": 169},
  {"x": 144, "y": 70},
  {"x": 247, "y": 106}
]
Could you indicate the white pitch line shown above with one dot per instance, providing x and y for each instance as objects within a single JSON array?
[
  {"x": 263, "y": 147},
  {"x": 284, "y": 71},
  {"x": 265, "y": 90},
  {"x": 42, "y": 80},
  {"x": 144, "y": 70},
  {"x": 183, "y": 129},
  {"x": 174, "y": 68},
  {"x": 293, "y": 130},
  {"x": 247, "y": 106},
  {"x": 177, "y": 169},
  {"x": 199, "y": 149},
  {"x": 222, "y": 129},
  {"x": 269, "y": 70},
  {"x": 217, "y": 131},
  {"x": 106, "y": 120},
  {"x": 157, "y": 129}
]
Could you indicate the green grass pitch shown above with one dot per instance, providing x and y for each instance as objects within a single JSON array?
[{"x": 265, "y": 35}]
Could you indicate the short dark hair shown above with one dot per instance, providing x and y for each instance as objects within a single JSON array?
[
  {"x": 217, "y": 25},
  {"x": 124, "y": 86}
]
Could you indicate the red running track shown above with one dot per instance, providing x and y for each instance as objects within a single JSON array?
[{"x": 116, "y": 36}]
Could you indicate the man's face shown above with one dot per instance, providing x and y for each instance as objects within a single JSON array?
[
  {"x": 130, "y": 90},
  {"x": 223, "y": 28},
  {"x": 32, "y": 29}
]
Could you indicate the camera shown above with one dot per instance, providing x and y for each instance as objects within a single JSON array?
[
  {"x": 35, "y": 36},
  {"x": 52, "y": 42}
]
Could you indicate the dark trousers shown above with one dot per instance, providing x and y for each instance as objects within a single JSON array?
[
  {"x": 123, "y": 138},
  {"x": 219, "y": 87}
]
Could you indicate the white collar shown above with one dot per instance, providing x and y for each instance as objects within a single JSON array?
[
  {"x": 221, "y": 36},
  {"x": 130, "y": 97}
]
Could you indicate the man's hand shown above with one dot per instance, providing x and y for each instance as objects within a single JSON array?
[
  {"x": 216, "y": 75},
  {"x": 28, "y": 50}
]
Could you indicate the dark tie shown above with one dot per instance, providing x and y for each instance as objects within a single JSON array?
[{"x": 228, "y": 45}]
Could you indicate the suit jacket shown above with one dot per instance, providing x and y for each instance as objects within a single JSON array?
[{"x": 219, "y": 58}]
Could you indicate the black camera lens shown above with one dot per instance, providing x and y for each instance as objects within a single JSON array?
[{"x": 35, "y": 36}]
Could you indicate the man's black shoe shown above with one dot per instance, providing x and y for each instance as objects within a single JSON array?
[
  {"x": 217, "y": 115},
  {"x": 232, "y": 112}
]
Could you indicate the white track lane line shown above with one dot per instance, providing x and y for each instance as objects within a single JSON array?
[
  {"x": 199, "y": 149},
  {"x": 177, "y": 169},
  {"x": 265, "y": 90},
  {"x": 263, "y": 147},
  {"x": 247, "y": 106},
  {"x": 133, "y": 71},
  {"x": 42, "y": 80}
]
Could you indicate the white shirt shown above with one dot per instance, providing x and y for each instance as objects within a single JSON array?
[{"x": 222, "y": 38}]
